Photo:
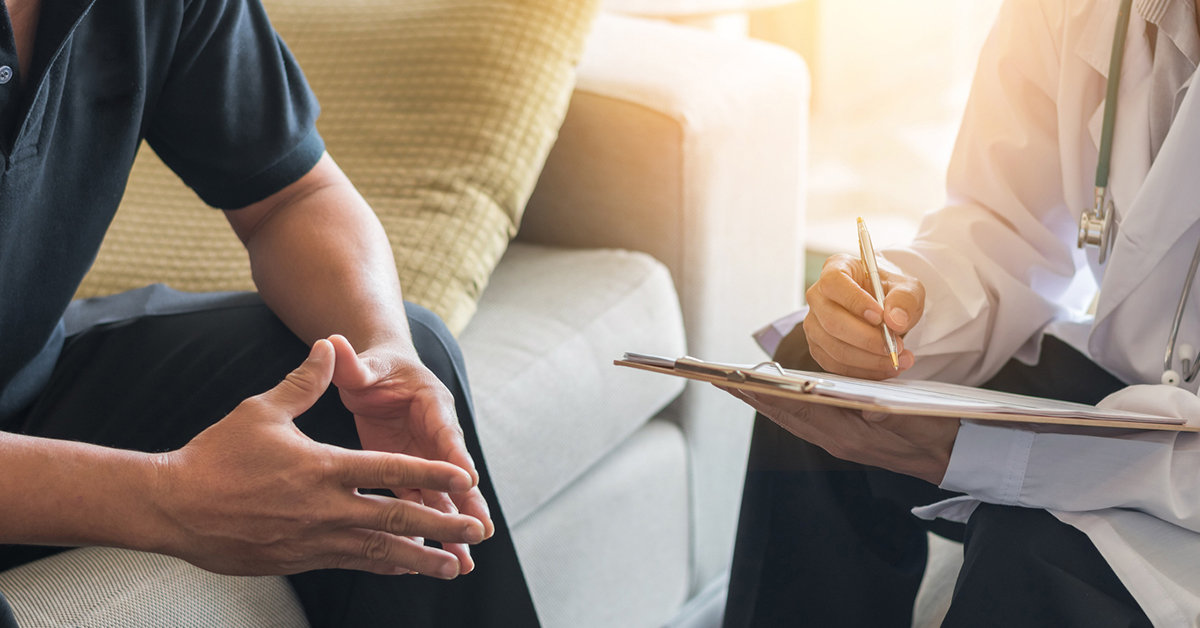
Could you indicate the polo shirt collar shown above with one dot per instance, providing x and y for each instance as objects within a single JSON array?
[{"x": 57, "y": 21}]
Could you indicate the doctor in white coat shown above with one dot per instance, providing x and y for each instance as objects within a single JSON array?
[{"x": 1062, "y": 526}]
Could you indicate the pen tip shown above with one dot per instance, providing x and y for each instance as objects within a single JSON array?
[
  {"x": 895, "y": 361},
  {"x": 860, "y": 219}
]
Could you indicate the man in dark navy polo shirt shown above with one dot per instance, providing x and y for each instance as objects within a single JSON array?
[{"x": 85, "y": 390}]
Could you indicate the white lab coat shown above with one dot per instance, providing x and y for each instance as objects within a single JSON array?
[
  {"x": 1000, "y": 260},
  {"x": 1001, "y": 268}
]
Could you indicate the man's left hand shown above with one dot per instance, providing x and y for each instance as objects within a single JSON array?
[
  {"x": 914, "y": 445},
  {"x": 400, "y": 406}
]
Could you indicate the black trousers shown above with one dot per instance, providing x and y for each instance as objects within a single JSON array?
[
  {"x": 825, "y": 542},
  {"x": 151, "y": 382}
]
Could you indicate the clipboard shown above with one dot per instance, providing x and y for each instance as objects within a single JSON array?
[{"x": 911, "y": 397}]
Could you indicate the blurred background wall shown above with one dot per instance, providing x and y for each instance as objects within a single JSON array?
[{"x": 890, "y": 80}]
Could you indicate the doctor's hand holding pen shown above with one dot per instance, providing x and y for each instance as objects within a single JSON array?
[
  {"x": 858, "y": 315},
  {"x": 844, "y": 321},
  {"x": 845, "y": 336}
]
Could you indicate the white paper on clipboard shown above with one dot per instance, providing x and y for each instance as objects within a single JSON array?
[{"x": 898, "y": 396}]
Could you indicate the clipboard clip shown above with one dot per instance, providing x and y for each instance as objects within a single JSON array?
[{"x": 742, "y": 375}]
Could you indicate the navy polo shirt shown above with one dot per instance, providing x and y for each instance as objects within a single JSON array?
[{"x": 207, "y": 83}]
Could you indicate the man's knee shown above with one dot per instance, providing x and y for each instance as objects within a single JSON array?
[{"x": 7, "y": 618}]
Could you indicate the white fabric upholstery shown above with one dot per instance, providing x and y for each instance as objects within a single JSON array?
[
  {"x": 613, "y": 550},
  {"x": 98, "y": 587},
  {"x": 549, "y": 403}
]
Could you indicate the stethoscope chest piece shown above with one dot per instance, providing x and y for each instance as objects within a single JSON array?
[{"x": 1096, "y": 227}]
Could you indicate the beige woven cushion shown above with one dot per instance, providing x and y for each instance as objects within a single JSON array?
[
  {"x": 105, "y": 587},
  {"x": 441, "y": 112}
]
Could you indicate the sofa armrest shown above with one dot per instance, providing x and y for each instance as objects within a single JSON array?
[{"x": 690, "y": 147}]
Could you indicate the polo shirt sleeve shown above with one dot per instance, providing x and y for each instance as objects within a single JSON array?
[{"x": 235, "y": 118}]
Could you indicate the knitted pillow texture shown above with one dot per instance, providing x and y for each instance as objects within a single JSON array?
[{"x": 441, "y": 112}]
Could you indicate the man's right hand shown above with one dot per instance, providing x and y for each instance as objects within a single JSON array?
[
  {"x": 254, "y": 495},
  {"x": 842, "y": 326}
]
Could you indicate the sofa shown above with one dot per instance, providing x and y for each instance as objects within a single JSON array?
[{"x": 667, "y": 219}]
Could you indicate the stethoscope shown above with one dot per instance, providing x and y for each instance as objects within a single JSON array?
[{"x": 1096, "y": 226}]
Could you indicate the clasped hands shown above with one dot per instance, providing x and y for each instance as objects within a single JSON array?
[
  {"x": 842, "y": 329},
  {"x": 253, "y": 495}
]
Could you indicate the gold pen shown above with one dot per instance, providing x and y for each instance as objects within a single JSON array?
[{"x": 867, "y": 253}]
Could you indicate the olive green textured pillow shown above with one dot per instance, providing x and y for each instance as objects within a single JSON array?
[{"x": 440, "y": 111}]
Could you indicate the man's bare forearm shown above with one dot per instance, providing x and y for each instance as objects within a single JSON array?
[
  {"x": 322, "y": 261},
  {"x": 55, "y": 492}
]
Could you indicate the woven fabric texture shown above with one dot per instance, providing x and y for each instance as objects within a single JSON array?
[
  {"x": 442, "y": 112},
  {"x": 101, "y": 587}
]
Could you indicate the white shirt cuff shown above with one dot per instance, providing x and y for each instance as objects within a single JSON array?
[
  {"x": 954, "y": 509},
  {"x": 989, "y": 462}
]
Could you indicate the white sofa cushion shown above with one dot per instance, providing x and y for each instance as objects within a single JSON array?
[
  {"x": 549, "y": 402},
  {"x": 603, "y": 555}
]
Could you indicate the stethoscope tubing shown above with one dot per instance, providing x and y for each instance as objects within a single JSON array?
[
  {"x": 1169, "y": 359},
  {"x": 1098, "y": 225},
  {"x": 1112, "y": 90}
]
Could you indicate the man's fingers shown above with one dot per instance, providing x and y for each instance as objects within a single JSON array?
[
  {"x": 442, "y": 502},
  {"x": 380, "y": 552},
  {"x": 404, "y": 518},
  {"x": 474, "y": 505},
  {"x": 349, "y": 371},
  {"x": 439, "y": 501},
  {"x": 448, "y": 439},
  {"x": 374, "y": 469},
  {"x": 452, "y": 446},
  {"x": 462, "y": 552},
  {"x": 415, "y": 495},
  {"x": 303, "y": 386}
]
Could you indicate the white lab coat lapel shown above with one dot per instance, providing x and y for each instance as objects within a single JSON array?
[{"x": 1163, "y": 211}]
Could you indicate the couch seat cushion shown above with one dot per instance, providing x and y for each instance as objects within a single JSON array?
[
  {"x": 539, "y": 353},
  {"x": 578, "y": 550}
]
